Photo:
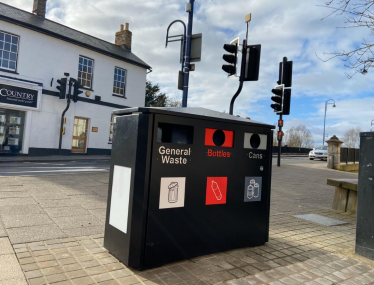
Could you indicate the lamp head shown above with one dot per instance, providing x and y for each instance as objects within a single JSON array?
[
  {"x": 364, "y": 71},
  {"x": 334, "y": 105}
]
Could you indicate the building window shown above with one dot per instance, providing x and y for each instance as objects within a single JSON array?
[
  {"x": 119, "y": 82},
  {"x": 11, "y": 131},
  {"x": 112, "y": 122},
  {"x": 8, "y": 51},
  {"x": 85, "y": 72}
]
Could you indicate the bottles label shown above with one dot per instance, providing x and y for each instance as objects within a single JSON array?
[{"x": 216, "y": 189}]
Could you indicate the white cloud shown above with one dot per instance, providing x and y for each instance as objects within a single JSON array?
[{"x": 290, "y": 28}]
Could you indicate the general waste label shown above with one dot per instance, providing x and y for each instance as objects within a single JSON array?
[
  {"x": 172, "y": 192},
  {"x": 216, "y": 190}
]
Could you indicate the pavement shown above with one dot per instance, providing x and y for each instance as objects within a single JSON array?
[{"x": 51, "y": 232}]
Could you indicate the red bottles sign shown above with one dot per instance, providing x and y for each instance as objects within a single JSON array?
[
  {"x": 222, "y": 138},
  {"x": 216, "y": 189}
]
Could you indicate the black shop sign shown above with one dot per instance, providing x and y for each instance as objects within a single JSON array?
[{"x": 18, "y": 96}]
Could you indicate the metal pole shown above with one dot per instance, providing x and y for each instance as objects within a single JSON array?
[
  {"x": 324, "y": 125},
  {"x": 281, "y": 116},
  {"x": 279, "y": 143},
  {"x": 241, "y": 77},
  {"x": 234, "y": 97},
  {"x": 63, "y": 115},
  {"x": 186, "y": 69}
]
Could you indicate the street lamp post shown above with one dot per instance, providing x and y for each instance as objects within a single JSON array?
[{"x": 324, "y": 124}]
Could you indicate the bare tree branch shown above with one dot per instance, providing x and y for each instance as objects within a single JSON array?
[{"x": 360, "y": 14}]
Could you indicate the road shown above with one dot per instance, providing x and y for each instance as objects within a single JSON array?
[
  {"x": 99, "y": 165},
  {"x": 53, "y": 167}
]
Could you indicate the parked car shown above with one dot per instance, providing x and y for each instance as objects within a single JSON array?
[{"x": 318, "y": 152}]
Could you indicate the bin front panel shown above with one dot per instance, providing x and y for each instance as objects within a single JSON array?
[{"x": 209, "y": 192}]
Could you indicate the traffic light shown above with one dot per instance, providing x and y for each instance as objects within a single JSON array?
[
  {"x": 280, "y": 123},
  {"x": 286, "y": 101},
  {"x": 278, "y": 99},
  {"x": 76, "y": 91},
  {"x": 231, "y": 58},
  {"x": 286, "y": 72},
  {"x": 280, "y": 135},
  {"x": 62, "y": 87},
  {"x": 252, "y": 62}
]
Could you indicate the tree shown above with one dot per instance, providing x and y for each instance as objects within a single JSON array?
[
  {"x": 358, "y": 14},
  {"x": 299, "y": 137},
  {"x": 154, "y": 98},
  {"x": 175, "y": 103},
  {"x": 352, "y": 138}
]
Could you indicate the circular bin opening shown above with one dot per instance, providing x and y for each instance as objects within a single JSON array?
[
  {"x": 255, "y": 141},
  {"x": 219, "y": 137}
]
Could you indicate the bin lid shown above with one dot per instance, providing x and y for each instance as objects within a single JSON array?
[{"x": 196, "y": 113}]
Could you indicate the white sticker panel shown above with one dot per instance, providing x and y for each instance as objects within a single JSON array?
[
  {"x": 172, "y": 192},
  {"x": 255, "y": 141},
  {"x": 119, "y": 204}
]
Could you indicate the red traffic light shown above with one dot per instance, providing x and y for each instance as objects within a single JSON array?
[{"x": 280, "y": 123}]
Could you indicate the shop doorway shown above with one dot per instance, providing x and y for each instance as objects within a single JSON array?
[{"x": 79, "y": 135}]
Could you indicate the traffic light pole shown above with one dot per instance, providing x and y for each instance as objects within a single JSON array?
[
  {"x": 63, "y": 116},
  {"x": 281, "y": 115},
  {"x": 279, "y": 143},
  {"x": 186, "y": 68},
  {"x": 241, "y": 78}
]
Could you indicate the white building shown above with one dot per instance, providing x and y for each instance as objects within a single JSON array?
[{"x": 34, "y": 53}]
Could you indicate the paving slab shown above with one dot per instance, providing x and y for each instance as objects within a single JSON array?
[
  {"x": 17, "y": 221},
  {"x": 5, "y": 247},
  {"x": 74, "y": 211},
  {"x": 16, "y": 201},
  {"x": 24, "y": 210},
  {"x": 35, "y": 233},
  {"x": 3, "y": 232},
  {"x": 10, "y": 269},
  {"x": 72, "y": 222}
]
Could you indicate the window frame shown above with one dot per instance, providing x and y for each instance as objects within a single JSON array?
[
  {"x": 17, "y": 54},
  {"x": 92, "y": 72},
  {"x": 124, "y": 89}
]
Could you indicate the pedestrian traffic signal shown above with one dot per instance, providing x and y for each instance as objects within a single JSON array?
[
  {"x": 286, "y": 101},
  {"x": 62, "y": 87},
  {"x": 280, "y": 135},
  {"x": 76, "y": 92},
  {"x": 280, "y": 123},
  {"x": 278, "y": 99},
  {"x": 231, "y": 58}
]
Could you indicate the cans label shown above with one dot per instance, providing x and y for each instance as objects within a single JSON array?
[
  {"x": 252, "y": 189},
  {"x": 216, "y": 189}
]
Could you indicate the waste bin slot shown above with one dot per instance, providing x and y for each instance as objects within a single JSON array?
[{"x": 173, "y": 133}]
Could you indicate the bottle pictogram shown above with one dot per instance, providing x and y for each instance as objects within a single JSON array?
[
  {"x": 216, "y": 190},
  {"x": 256, "y": 190},
  {"x": 173, "y": 192},
  {"x": 251, "y": 189}
]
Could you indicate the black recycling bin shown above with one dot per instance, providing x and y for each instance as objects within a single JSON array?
[
  {"x": 186, "y": 182},
  {"x": 365, "y": 197}
]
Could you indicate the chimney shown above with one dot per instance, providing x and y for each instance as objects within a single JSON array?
[
  {"x": 123, "y": 37},
  {"x": 39, "y": 8}
]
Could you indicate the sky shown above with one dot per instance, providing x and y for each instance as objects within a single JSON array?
[{"x": 291, "y": 28}]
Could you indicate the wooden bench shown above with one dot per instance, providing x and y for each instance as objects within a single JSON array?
[{"x": 345, "y": 198}]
